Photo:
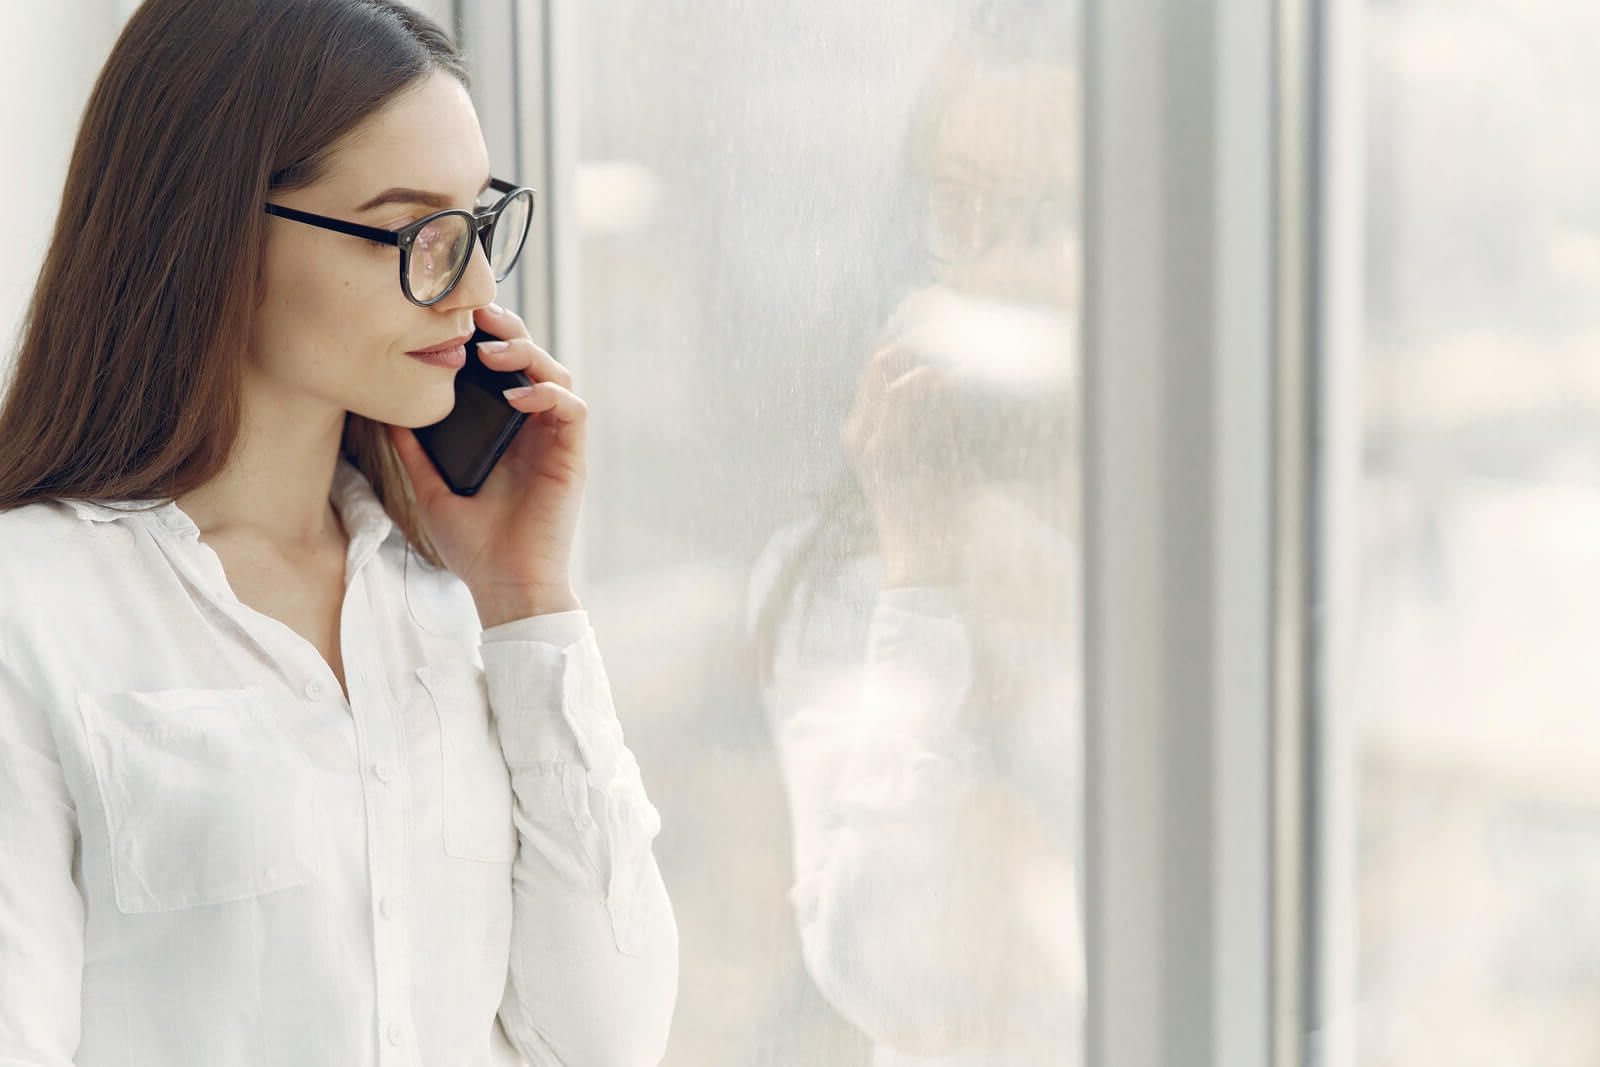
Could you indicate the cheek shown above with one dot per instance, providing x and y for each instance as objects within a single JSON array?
[
  {"x": 319, "y": 306},
  {"x": 332, "y": 326}
]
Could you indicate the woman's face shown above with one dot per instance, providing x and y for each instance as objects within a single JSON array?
[
  {"x": 1003, "y": 186},
  {"x": 333, "y": 327}
]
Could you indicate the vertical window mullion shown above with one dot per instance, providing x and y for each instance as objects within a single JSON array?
[
  {"x": 1180, "y": 217},
  {"x": 1337, "y": 329}
]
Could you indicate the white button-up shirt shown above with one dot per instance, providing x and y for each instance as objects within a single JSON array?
[
  {"x": 209, "y": 857},
  {"x": 934, "y": 805}
]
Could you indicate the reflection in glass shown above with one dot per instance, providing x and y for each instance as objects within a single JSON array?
[
  {"x": 919, "y": 630},
  {"x": 830, "y": 312}
]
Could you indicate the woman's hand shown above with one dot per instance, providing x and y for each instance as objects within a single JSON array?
[
  {"x": 511, "y": 543},
  {"x": 901, "y": 441}
]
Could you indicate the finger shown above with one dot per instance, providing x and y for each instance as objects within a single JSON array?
[
  {"x": 911, "y": 410},
  {"x": 426, "y": 482},
  {"x": 917, "y": 393},
  {"x": 555, "y": 409},
  {"x": 522, "y": 354},
  {"x": 922, "y": 382},
  {"x": 922, "y": 394},
  {"x": 548, "y": 398},
  {"x": 886, "y": 366},
  {"x": 503, "y": 323}
]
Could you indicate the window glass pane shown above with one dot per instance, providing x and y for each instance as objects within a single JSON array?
[
  {"x": 1476, "y": 691},
  {"x": 829, "y": 340}
]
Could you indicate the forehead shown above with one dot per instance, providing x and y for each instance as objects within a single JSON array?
[
  {"x": 426, "y": 138},
  {"x": 1014, "y": 130}
]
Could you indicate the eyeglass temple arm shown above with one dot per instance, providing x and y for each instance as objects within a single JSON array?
[{"x": 354, "y": 229}]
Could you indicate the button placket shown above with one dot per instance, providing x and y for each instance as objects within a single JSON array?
[{"x": 381, "y": 741}]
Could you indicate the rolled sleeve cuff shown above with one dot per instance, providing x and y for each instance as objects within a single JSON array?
[
  {"x": 553, "y": 706},
  {"x": 924, "y": 658},
  {"x": 550, "y": 694},
  {"x": 939, "y": 601},
  {"x": 561, "y": 628}
]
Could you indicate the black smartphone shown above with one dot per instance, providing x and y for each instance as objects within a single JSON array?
[{"x": 466, "y": 444}]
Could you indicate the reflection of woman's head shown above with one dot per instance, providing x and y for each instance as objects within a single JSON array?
[
  {"x": 995, "y": 142},
  {"x": 127, "y": 384}
]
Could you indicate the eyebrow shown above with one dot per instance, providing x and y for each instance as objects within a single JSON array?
[{"x": 403, "y": 195}]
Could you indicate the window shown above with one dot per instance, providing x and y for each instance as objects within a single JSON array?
[
  {"x": 1473, "y": 692},
  {"x": 842, "y": 619}
]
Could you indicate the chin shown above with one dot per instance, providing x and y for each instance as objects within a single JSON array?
[
  {"x": 429, "y": 417},
  {"x": 424, "y": 409}
]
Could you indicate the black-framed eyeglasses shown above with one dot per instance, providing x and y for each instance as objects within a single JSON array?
[
  {"x": 435, "y": 251},
  {"x": 967, "y": 220}
]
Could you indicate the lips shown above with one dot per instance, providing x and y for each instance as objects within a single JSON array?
[
  {"x": 443, "y": 346},
  {"x": 451, "y": 355}
]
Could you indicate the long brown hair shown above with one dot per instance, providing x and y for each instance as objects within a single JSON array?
[{"x": 126, "y": 384}]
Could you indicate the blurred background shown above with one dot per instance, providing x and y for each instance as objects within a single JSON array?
[
  {"x": 764, "y": 195},
  {"x": 1476, "y": 694}
]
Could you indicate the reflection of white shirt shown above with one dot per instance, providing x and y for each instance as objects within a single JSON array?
[
  {"x": 934, "y": 830},
  {"x": 207, "y": 856}
]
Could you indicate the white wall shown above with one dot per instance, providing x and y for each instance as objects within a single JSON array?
[
  {"x": 442, "y": 11},
  {"x": 50, "y": 54}
]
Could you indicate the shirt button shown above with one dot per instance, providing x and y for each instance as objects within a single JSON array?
[
  {"x": 314, "y": 690},
  {"x": 395, "y": 1033},
  {"x": 386, "y": 907},
  {"x": 380, "y": 771}
]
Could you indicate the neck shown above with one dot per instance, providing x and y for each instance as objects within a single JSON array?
[{"x": 279, "y": 475}]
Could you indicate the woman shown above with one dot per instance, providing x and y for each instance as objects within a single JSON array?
[
  {"x": 918, "y": 635},
  {"x": 303, "y": 759}
]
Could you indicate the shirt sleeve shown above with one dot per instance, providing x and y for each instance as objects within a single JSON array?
[
  {"x": 594, "y": 955},
  {"x": 918, "y": 880},
  {"x": 41, "y": 911}
]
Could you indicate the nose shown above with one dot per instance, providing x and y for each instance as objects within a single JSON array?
[{"x": 476, "y": 287}]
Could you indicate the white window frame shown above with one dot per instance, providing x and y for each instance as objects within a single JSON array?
[{"x": 1181, "y": 533}]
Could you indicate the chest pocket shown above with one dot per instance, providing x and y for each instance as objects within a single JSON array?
[
  {"x": 477, "y": 801},
  {"x": 205, "y": 798}
]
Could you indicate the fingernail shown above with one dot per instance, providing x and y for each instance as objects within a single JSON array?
[
  {"x": 518, "y": 393},
  {"x": 495, "y": 309},
  {"x": 493, "y": 346}
]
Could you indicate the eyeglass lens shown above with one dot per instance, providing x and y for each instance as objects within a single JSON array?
[
  {"x": 438, "y": 254},
  {"x": 509, "y": 232}
]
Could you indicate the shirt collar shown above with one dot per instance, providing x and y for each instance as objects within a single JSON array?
[
  {"x": 364, "y": 517},
  {"x": 166, "y": 512}
]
